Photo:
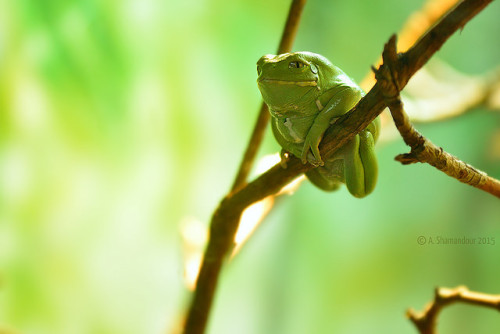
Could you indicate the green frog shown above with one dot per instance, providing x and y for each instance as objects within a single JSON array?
[{"x": 306, "y": 94}]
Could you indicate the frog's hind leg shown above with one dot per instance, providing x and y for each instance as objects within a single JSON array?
[
  {"x": 318, "y": 178},
  {"x": 353, "y": 168},
  {"x": 369, "y": 160},
  {"x": 360, "y": 164}
]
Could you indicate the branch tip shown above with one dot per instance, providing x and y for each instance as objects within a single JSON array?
[
  {"x": 426, "y": 320},
  {"x": 422, "y": 149}
]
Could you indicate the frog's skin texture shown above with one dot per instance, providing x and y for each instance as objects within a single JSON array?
[{"x": 305, "y": 94}]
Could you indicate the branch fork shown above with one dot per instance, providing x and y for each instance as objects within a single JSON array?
[
  {"x": 426, "y": 321},
  {"x": 422, "y": 149}
]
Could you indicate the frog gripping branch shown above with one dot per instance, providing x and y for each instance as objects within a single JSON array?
[{"x": 305, "y": 94}]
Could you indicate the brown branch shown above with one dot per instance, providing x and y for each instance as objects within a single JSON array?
[
  {"x": 287, "y": 38},
  {"x": 226, "y": 217},
  {"x": 422, "y": 149},
  {"x": 223, "y": 226},
  {"x": 438, "y": 92},
  {"x": 426, "y": 320}
]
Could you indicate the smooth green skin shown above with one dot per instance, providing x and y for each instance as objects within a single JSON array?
[{"x": 305, "y": 94}]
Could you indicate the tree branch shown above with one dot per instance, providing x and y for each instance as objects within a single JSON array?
[
  {"x": 222, "y": 235},
  {"x": 226, "y": 217},
  {"x": 287, "y": 38},
  {"x": 422, "y": 149},
  {"x": 426, "y": 320}
]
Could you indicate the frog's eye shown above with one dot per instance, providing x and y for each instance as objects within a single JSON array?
[
  {"x": 258, "y": 70},
  {"x": 296, "y": 64},
  {"x": 314, "y": 69}
]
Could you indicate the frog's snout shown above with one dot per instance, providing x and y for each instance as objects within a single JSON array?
[{"x": 265, "y": 58}]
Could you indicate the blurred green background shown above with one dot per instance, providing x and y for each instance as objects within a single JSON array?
[{"x": 120, "y": 120}]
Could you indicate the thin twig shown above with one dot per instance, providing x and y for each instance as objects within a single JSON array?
[
  {"x": 226, "y": 217},
  {"x": 287, "y": 38},
  {"x": 220, "y": 237},
  {"x": 422, "y": 149},
  {"x": 426, "y": 320}
]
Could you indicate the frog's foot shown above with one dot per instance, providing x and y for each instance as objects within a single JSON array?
[
  {"x": 310, "y": 151},
  {"x": 284, "y": 158},
  {"x": 313, "y": 161}
]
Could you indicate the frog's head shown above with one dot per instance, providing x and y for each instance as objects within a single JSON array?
[{"x": 291, "y": 80}]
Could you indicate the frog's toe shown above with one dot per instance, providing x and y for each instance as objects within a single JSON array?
[
  {"x": 316, "y": 155},
  {"x": 284, "y": 158},
  {"x": 305, "y": 155}
]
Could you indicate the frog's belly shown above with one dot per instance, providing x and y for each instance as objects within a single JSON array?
[{"x": 289, "y": 131}]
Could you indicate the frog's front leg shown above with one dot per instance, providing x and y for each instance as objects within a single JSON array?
[
  {"x": 360, "y": 164},
  {"x": 342, "y": 100},
  {"x": 310, "y": 150}
]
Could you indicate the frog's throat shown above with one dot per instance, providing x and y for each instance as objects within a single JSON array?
[{"x": 304, "y": 83}]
